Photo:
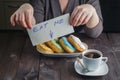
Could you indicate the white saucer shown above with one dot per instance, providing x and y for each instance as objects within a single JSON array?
[{"x": 101, "y": 71}]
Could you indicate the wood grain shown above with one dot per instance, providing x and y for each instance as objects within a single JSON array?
[{"x": 19, "y": 60}]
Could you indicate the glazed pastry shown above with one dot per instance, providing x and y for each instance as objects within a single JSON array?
[
  {"x": 66, "y": 45},
  {"x": 76, "y": 42},
  {"x": 44, "y": 49},
  {"x": 55, "y": 46}
]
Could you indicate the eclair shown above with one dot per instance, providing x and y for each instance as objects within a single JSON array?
[
  {"x": 55, "y": 46},
  {"x": 44, "y": 48},
  {"x": 76, "y": 42},
  {"x": 66, "y": 45}
]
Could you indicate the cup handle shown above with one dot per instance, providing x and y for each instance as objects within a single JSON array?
[{"x": 105, "y": 59}]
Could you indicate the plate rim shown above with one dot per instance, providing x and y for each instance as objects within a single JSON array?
[{"x": 63, "y": 54}]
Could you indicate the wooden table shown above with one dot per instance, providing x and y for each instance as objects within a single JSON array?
[{"x": 19, "y": 60}]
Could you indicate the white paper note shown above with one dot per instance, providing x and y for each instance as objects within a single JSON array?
[{"x": 50, "y": 29}]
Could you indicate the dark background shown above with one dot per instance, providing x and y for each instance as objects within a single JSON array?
[{"x": 111, "y": 15}]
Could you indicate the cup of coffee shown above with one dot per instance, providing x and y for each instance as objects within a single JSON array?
[{"x": 92, "y": 59}]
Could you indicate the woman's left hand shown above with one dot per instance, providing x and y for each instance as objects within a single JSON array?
[{"x": 82, "y": 14}]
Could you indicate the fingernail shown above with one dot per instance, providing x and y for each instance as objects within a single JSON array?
[
  {"x": 13, "y": 25},
  {"x": 70, "y": 24}
]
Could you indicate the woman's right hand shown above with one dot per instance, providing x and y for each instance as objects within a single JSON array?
[{"x": 23, "y": 16}]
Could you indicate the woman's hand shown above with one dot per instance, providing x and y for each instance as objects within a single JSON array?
[
  {"x": 84, "y": 14},
  {"x": 23, "y": 16}
]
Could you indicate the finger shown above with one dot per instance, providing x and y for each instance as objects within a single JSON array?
[
  {"x": 28, "y": 19},
  {"x": 22, "y": 21},
  {"x": 17, "y": 19},
  {"x": 75, "y": 11},
  {"x": 83, "y": 16},
  {"x": 77, "y": 17},
  {"x": 12, "y": 19},
  {"x": 33, "y": 21},
  {"x": 86, "y": 19}
]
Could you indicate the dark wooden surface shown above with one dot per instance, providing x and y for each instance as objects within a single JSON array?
[{"x": 19, "y": 60}]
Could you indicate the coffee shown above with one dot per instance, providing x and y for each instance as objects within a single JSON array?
[{"x": 92, "y": 55}]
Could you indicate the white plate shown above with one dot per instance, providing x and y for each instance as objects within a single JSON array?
[
  {"x": 63, "y": 54},
  {"x": 101, "y": 71}
]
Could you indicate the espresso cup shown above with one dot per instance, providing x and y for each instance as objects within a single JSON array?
[{"x": 92, "y": 59}]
